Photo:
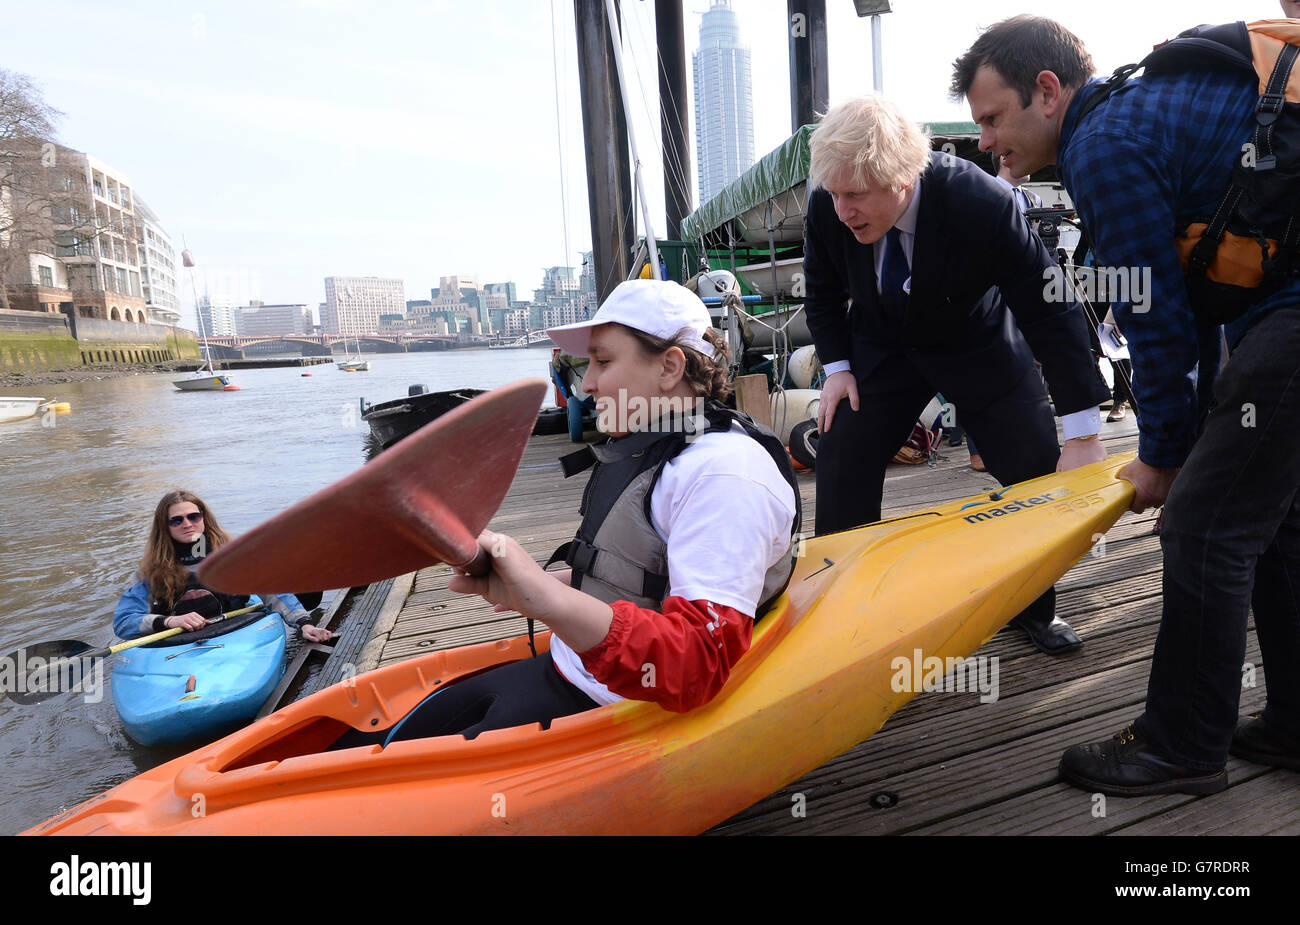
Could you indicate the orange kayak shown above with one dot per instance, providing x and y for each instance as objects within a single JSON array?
[{"x": 829, "y": 664}]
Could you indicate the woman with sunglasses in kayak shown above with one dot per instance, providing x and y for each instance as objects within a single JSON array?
[
  {"x": 687, "y": 535},
  {"x": 166, "y": 594}
]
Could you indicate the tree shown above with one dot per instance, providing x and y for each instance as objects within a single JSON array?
[{"x": 44, "y": 205}]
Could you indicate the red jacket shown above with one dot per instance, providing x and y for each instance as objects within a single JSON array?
[{"x": 679, "y": 658}]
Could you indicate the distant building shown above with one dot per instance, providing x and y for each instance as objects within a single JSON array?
[
  {"x": 158, "y": 260},
  {"x": 85, "y": 251},
  {"x": 564, "y": 314},
  {"x": 514, "y": 323},
  {"x": 353, "y": 304},
  {"x": 217, "y": 315},
  {"x": 259, "y": 320},
  {"x": 462, "y": 302},
  {"x": 724, "y": 109},
  {"x": 412, "y": 325},
  {"x": 587, "y": 279},
  {"x": 504, "y": 289}
]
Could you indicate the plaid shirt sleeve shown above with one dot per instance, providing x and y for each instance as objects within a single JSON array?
[{"x": 1123, "y": 187}]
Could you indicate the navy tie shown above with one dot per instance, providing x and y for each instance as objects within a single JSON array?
[{"x": 893, "y": 273}]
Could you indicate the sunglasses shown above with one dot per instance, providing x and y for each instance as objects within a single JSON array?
[{"x": 194, "y": 518}]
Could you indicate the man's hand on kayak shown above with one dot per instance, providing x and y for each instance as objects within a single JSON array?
[
  {"x": 1152, "y": 485},
  {"x": 838, "y": 386},
  {"x": 1078, "y": 453},
  {"x": 516, "y": 582}
]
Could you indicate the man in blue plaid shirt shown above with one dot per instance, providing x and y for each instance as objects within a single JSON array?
[{"x": 1140, "y": 167}]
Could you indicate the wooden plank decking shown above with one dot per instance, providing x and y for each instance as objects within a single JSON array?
[{"x": 946, "y": 763}]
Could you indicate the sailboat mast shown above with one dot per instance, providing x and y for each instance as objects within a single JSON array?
[
  {"x": 187, "y": 260},
  {"x": 617, "y": 40}
]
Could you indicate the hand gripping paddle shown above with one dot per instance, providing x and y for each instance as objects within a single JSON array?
[{"x": 423, "y": 501}]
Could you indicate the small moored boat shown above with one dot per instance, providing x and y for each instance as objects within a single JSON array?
[
  {"x": 390, "y": 421},
  {"x": 204, "y": 381},
  {"x": 18, "y": 407},
  {"x": 205, "y": 378}
]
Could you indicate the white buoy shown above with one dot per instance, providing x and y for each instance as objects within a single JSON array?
[
  {"x": 791, "y": 407},
  {"x": 804, "y": 366}
]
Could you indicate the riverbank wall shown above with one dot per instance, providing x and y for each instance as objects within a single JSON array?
[{"x": 38, "y": 342}]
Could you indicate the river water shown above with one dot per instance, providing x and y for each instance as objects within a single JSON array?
[{"x": 76, "y": 500}]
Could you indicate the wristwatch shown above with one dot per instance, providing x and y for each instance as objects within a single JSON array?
[{"x": 1085, "y": 437}]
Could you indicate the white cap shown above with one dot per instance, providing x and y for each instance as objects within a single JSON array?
[{"x": 657, "y": 307}]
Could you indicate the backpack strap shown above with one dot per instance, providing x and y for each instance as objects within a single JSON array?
[{"x": 1269, "y": 107}]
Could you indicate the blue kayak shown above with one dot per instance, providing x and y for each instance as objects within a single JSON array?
[{"x": 232, "y": 675}]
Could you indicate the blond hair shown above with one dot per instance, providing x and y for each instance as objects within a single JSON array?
[{"x": 871, "y": 139}]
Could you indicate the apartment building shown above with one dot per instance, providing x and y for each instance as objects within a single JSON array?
[{"x": 353, "y": 304}]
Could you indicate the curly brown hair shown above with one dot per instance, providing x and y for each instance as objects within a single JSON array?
[
  {"x": 706, "y": 376},
  {"x": 159, "y": 566}
]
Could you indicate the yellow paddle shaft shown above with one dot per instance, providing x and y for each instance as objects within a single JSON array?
[{"x": 177, "y": 630}]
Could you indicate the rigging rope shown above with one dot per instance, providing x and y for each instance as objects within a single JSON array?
[{"x": 559, "y": 137}]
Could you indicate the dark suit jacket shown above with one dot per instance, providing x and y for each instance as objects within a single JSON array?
[{"x": 978, "y": 313}]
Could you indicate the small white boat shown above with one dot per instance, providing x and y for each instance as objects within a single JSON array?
[
  {"x": 17, "y": 407},
  {"x": 353, "y": 363},
  {"x": 787, "y": 272},
  {"x": 205, "y": 378},
  {"x": 204, "y": 381}
]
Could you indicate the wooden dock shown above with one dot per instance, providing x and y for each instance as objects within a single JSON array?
[{"x": 946, "y": 763}]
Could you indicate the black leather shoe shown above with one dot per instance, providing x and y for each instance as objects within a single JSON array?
[
  {"x": 1125, "y": 766},
  {"x": 1055, "y": 638},
  {"x": 1260, "y": 744}
]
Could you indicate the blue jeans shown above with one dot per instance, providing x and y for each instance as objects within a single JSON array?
[{"x": 1231, "y": 540}]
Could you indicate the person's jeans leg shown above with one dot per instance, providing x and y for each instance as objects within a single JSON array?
[
  {"x": 1276, "y": 602},
  {"x": 1225, "y": 511}
]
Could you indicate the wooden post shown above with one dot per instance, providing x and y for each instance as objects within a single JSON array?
[
  {"x": 604, "y": 127},
  {"x": 674, "y": 116},
  {"x": 752, "y": 398}
]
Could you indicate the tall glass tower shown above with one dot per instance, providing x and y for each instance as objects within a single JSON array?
[{"x": 724, "y": 107}]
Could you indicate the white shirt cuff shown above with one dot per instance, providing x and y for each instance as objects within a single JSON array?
[
  {"x": 843, "y": 366},
  {"x": 1081, "y": 423}
]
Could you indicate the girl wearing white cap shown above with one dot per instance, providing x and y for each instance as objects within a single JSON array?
[{"x": 688, "y": 521}]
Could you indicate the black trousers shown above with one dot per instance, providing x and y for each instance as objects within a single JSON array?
[
  {"x": 1231, "y": 541},
  {"x": 517, "y": 694},
  {"x": 1016, "y": 436}
]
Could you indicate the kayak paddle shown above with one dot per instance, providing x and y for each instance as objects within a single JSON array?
[
  {"x": 38, "y": 672},
  {"x": 423, "y": 501}
]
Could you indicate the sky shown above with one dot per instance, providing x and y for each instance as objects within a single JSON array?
[{"x": 288, "y": 140}]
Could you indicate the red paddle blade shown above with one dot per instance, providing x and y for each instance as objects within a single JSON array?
[{"x": 423, "y": 501}]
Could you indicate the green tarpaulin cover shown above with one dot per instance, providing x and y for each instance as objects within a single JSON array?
[{"x": 777, "y": 171}]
